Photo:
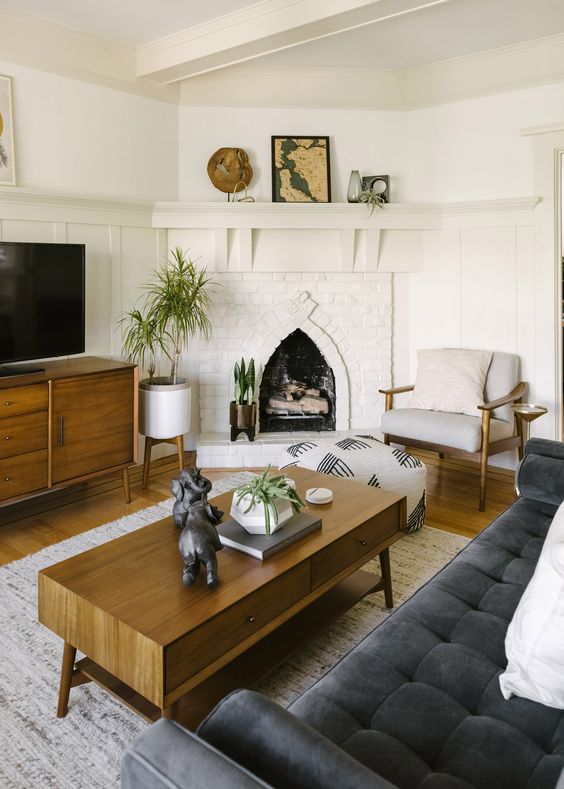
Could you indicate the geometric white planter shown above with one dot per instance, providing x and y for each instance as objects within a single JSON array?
[
  {"x": 253, "y": 521},
  {"x": 164, "y": 409}
]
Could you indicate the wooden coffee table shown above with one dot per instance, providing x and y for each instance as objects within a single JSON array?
[{"x": 167, "y": 650}]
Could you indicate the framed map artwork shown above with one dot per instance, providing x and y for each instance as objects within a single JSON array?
[
  {"x": 7, "y": 160},
  {"x": 301, "y": 171}
]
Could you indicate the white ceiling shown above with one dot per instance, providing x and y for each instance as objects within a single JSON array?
[
  {"x": 129, "y": 22},
  {"x": 439, "y": 32},
  {"x": 428, "y": 33}
]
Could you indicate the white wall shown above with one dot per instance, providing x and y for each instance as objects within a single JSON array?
[
  {"x": 72, "y": 136},
  {"x": 474, "y": 150},
  {"x": 372, "y": 142}
]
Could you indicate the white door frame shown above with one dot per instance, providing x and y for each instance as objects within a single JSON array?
[{"x": 548, "y": 151}]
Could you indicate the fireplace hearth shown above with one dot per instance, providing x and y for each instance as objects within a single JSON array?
[{"x": 297, "y": 391}]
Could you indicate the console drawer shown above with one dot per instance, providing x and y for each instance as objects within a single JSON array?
[
  {"x": 23, "y": 399},
  {"x": 23, "y": 434},
  {"x": 23, "y": 474},
  {"x": 214, "y": 638},
  {"x": 358, "y": 543}
]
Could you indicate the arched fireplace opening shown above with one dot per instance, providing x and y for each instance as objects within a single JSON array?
[{"x": 297, "y": 390}]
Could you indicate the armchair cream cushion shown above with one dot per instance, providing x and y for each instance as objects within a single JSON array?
[{"x": 450, "y": 380}]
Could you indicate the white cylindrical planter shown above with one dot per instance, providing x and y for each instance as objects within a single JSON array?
[{"x": 164, "y": 409}]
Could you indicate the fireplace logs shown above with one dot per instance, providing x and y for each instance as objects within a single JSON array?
[{"x": 295, "y": 398}]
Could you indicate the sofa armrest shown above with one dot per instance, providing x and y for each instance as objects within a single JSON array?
[
  {"x": 280, "y": 748},
  {"x": 167, "y": 755},
  {"x": 540, "y": 476}
]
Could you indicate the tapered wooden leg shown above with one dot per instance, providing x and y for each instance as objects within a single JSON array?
[
  {"x": 386, "y": 439},
  {"x": 484, "y": 457},
  {"x": 126, "y": 488},
  {"x": 69, "y": 655},
  {"x": 180, "y": 447},
  {"x": 147, "y": 461},
  {"x": 170, "y": 712},
  {"x": 387, "y": 577}
]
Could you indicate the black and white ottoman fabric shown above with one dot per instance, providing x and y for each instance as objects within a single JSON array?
[{"x": 367, "y": 460}]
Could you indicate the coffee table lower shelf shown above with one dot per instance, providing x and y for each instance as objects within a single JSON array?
[{"x": 251, "y": 666}]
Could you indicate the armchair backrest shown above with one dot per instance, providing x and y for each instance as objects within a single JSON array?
[{"x": 502, "y": 378}]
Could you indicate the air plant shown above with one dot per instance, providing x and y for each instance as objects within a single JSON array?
[
  {"x": 266, "y": 489},
  {"x": 372, "y": 199},
  {"x": 244, "y": 382}
]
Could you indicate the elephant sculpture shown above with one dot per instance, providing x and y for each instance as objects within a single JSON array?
[
  {"x": 198, "y": 540},
  {"x": 189, "y": 488}
]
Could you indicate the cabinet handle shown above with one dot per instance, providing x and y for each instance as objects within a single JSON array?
[
  {"x": 363, "y": 542},
  {"x": 251, "y": 619},
  {"x": 7, "y": 438},
  {"x": 7, "y": 479},
  {"x": 62, "y": 431},
  {"x": 8, "y": 402}
]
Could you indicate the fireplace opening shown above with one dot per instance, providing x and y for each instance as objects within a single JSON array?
[{"x": 297, "y": 390}]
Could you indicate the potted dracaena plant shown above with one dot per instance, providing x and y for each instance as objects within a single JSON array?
[
  {"x": 264, "y": 504},
  {"x": 174, "y": 308},
  {"x": 243, "y": 409}
]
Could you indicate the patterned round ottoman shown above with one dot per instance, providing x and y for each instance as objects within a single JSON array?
[{"x": 367, "y": 460}]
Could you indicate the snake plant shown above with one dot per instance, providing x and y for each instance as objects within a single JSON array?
[
  {"x": 244, "y": 382},
  {"x": 266, "y": 489}
]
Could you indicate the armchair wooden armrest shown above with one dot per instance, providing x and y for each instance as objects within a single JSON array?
[
  {"x": 397, "y": 389},
  {"x": 512, "y": 397},
  {"x": 393, "y": 391}
]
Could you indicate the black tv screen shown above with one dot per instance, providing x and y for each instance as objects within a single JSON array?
[{"x": 41, "y": 300}]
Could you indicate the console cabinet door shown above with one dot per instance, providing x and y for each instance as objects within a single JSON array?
[{"x": 91, "y": 424}]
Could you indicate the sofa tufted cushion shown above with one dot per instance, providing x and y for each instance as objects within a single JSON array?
[
  {"x": 369, "y": 461},
  {"x": 436, "y": 427},
  {"x": 419, "y": 699}
]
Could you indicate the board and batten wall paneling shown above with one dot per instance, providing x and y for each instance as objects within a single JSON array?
[
  {"x": 488, "y": 258},
  {"x": 435, "y": 296},
  {"x": 96, "y": 239}
]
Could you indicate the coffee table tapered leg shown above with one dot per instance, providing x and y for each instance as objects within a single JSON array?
[
  {"x": 69, "y": 655},
  {"x": 387, "y": 577}
]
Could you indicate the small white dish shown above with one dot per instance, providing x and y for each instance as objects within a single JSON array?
[{"x": 319, "y": 495}]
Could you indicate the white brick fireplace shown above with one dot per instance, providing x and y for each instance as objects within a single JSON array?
[{"x": 348, "y": 316}]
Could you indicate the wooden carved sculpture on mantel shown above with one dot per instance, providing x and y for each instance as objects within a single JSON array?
[{"x": 229, "y": 170}]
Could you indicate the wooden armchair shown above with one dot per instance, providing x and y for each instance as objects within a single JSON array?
[{"x": 494, "y": 429}]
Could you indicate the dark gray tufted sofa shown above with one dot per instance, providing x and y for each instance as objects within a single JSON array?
[{"x": 416, "y": 704}]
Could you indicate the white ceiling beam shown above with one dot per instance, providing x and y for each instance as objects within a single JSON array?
[{"x": 260, "y": 29}]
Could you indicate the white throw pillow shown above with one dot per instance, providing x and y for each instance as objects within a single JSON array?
[
  {"x": 534, "y": 643},
  {"x": 450, "y": 379}
]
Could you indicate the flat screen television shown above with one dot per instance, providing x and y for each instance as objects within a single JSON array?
[{"x": 41, "y": 301}]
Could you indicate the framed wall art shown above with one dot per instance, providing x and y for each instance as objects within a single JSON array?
[
  {"x": 7, "y": 155},
  {"x": 301, "y": 171}
]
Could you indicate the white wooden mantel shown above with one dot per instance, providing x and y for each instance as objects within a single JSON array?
[
  {"x": 351, "y": 220},
  {"x": 245, "y": 221}
]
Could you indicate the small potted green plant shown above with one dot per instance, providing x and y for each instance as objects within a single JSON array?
[
  {"x": 243, "y": 409},
  {"x": 175, "y": 307},
  {"x": 264, "y": 504}
]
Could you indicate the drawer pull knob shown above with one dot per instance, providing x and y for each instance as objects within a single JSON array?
[
  {"x": 8, "y": 402},
  {"x": 7, "y": 438},
  {"x": 251, "y": 619},
  {"x": 7, "y": 479},
  {"x": 363, "y": 542}
]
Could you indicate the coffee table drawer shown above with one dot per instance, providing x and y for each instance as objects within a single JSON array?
[
  {"x": 360, "y": 542},
  {"x": 214, "y": 638}
]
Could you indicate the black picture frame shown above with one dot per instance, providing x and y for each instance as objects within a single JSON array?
[{"x": 323, "y": 168}]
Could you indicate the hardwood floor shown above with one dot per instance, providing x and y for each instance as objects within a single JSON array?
[{"x": 452, "y": 501}]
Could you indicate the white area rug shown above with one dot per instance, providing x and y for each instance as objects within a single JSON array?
[{"x": 83, "y": 750}]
